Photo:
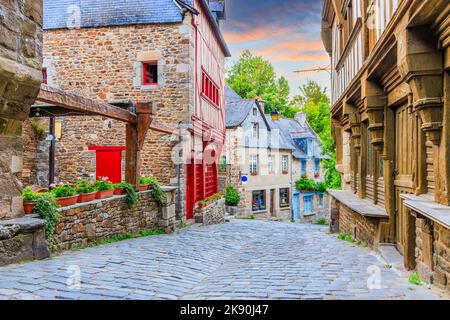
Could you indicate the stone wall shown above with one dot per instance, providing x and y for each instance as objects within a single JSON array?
[
  {"x": 433, "y": 252},
  {"x": 212, "y": 214},
  {"x": 102, "y": 219},
  {"x": 319, "y": 212},
  {"x": 106, "y": 64},
  {"x": 361, "y": 228},
  {"x": 20, "y": 78}
]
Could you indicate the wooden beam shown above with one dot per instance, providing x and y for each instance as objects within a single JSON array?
[
  {"x": 132, "y": 157},
  {"x": 337, "y": 11},
  {"x": 144, "y": 114},
  {"x": 77, "y": 103}
]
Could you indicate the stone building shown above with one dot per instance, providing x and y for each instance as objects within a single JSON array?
[
  {"x": 170, "y": 53},
  {"x": 20, "y": 79},
  {"x": 390, "y": 93},
  {"x": 266, "y": 155}
]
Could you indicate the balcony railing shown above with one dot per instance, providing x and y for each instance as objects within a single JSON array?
[{"x": 379, "y": 14}]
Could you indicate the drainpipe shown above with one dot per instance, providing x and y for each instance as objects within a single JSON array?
[{"x": 292, "y": 189}]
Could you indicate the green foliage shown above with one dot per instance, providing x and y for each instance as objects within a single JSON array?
[
  {"x": 247, "y": 218},
  {"x": 132, "y": 197},
  {"x": 38, "y": 128},
  {"x": 103, "y": 185},
  {"x": 85, "y": 186},
  {"x": 308, "y": 184},
  {"x": 47, "y": 209},
  {"x": 64, "y": 191},
  {"x": 414, "y": 279},
  {"x": 213, "y": 198},
  {"x": 252, "y": 76},
  {"x": 321, "y": 222},
  {"x": 118, "y": 238},
  {"x": 147, "y": 233},
  {"x": 314, "y": 101},
  {"x": 346, "y": 237},
  {"x": 157, "y": 192},
  {"x": 29, "y": 195},
  {"x": 232, "y": 197}
]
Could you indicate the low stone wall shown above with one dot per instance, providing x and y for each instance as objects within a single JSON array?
[
  {"x": 433, "y": 252},
  {"x": 102, "y": 219},
  {"x": 212, "y": 214},
  {"x": 22, "y": 239},
  {"x": 361, "y": 228}
]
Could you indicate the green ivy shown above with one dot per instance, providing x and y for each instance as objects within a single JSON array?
[
  {"x": 47, "y": 209},
  {"x": 158, "y": 193},
  {"x": 132, "y": 197},
  {"x": 232, "y": 197}
]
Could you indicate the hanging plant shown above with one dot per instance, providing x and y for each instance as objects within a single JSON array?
[
  {"x": 157, "y": 192},
  {"x": 47, "y": 209},
  {"x": 132, "y": 197}
]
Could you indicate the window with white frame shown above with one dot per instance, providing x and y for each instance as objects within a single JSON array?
[
  {"x": 255, "y": 130},
  {"x": 285, "y": 164},
  {"x": 253, "y": 164},
  {"x": 255, "y": 111},
  {"x": 270, "y": 164}
]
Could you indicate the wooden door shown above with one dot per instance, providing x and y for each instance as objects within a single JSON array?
[
  {"x": 405, "y": 163},
  {"x": 108, "y": 162},
  {"x": 272, "y": 202}
]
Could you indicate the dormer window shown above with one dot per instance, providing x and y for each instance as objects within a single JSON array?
[
  {"x": 150, "y": 73},
  {"x": 255, "y": 131},
  {"x": 255, "y": 112}
]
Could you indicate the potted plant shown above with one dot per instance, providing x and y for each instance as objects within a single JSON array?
[
  {"x": 86, "y": 191},
  {"x": 29, "y": 200},
  {"x": 105, "y": 189},
  {"x": 202, "y": 204},
  {"x": 118, "y": 189},
  {"x": 144, "y": 184},
  {"x": 65, "y": 195}
]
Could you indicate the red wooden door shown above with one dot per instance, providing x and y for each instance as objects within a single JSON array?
[{"x": 109, "y": 162}]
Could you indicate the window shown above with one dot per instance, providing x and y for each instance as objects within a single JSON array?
[
  {"x": 317, "y": 166},
  {"x": 308, "y": 203},
  {"x": 270, "y": 164},
  {"x": 210, "y": 90},
  {"x": 285, "y": 164},
  {"x": 150, "y": 73},
  {"x": 255, "y": 112},
  {"x": 284, "y": 198},
  {"x": 303, "y": 145},
  {"x": 258, "y": 200},
  {"x": 255, "y": 131},
  {"x": 223, "y": 164},
  {"x": 320, "y": 200},
  {"x": 303, "y": 168},
  {"x": 44, "y": 75},
  {"x": 253, "y": 165},
  {"x": 310, "y": 147}
]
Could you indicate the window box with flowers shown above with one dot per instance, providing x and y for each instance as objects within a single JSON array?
[
  {"x": 105, "y": 188},
  {"x": 210, "y": 200},
  {"x": 65, "y": 195}
]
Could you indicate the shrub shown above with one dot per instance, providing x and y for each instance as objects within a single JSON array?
[
  {"x": 64, "y": 191},
  {"x": 29, "y": 195},
  {"x": 232, "y": 197},
  {"x": 131, "y": 196},
  {"x": 414, "y": 279},
  {"x": 103, "y": 185},
  {"x": 322, "y": 222},
  {"x": 305, "y": 184},
  {"x": 85, "y": 186},
  {"x": 47, "y": 209}
]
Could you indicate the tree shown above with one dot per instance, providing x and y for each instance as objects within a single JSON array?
[
  {"x": 314, "y": 101},
  {"x": 252, "y": 76}
]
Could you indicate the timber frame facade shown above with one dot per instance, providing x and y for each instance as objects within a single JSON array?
[{"x": 391, "y": 125}]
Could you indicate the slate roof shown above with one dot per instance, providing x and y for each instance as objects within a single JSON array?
[
  {"x": 58, "y": 14},
  {"x": 291, "y": 129}
]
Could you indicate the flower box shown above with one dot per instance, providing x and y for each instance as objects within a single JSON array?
[
  {"x": 28, "y": 207},
  {"x": 118, "y": 191},
  {"x": 104, "y": 194},
  {"x": 254, "y": 174},
  {"x": 87, "y": 197},
  {"x": 144, "y": 187},
  {"x": 67, "y": 201}
]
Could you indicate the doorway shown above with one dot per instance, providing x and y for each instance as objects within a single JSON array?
[{"x": 108, "y": 162}]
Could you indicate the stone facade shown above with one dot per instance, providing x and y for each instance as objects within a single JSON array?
[
  {"x": 22, "y": 239},
  {"x": 85, "y": 223},
  {"x": 319, "y": 210},
  {"x": 432, "y": 252},
  {"x": 20, "y": 79},
  {"x": 212, "y": 214}
]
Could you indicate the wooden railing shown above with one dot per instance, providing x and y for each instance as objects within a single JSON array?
[{"x": 379, "y": 14}]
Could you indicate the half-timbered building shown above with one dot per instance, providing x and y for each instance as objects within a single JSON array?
[{"x": 390, "y": 93}]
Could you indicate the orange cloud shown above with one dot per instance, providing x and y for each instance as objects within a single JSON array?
[
  {"x": 297, "y": 46},
  {"x": 253, "y": 35},
  {"x": 303, "y": 57}
]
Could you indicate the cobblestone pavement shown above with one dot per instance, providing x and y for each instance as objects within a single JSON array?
[{"x": 237, "y": 260}]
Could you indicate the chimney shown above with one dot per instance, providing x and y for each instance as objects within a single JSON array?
[
  {"x": 301, "y": 118},
  {"x": 276, "y": 115}
]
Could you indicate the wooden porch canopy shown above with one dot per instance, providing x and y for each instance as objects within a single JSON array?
[{"x": 138, "y": 119}]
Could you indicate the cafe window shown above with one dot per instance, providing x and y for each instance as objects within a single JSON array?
[
  {"x": 259, "y": 200},
  {"x": 284, "y": 198}
]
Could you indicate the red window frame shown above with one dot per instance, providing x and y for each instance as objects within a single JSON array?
[
  {"x": 210, "y": 90},
  {"x": 44, "y": 75},
  {"x": 144, "y": 73}
]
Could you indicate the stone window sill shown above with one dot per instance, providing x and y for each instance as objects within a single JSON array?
[
  {"x": 425, "y": 205},
  {"x": 150, "y": 87},
  {"x": 364, "y": 207}
]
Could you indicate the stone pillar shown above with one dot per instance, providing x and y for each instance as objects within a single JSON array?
[{"x": 20, "y": 79}]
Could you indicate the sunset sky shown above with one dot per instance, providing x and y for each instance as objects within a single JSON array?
[{"x": 285, "y": 32}]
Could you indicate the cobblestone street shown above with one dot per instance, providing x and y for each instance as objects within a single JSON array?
[{"x": 237, "y": 260}]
